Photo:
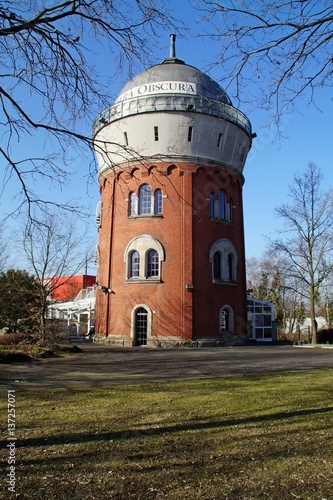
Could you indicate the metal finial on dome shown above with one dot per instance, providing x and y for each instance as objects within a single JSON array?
[
  {"x": 172, "y": 59},
  {"x": 172, "y": 53}
]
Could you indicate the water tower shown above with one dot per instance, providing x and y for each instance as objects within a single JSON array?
[{"x": 171, "y": 261}]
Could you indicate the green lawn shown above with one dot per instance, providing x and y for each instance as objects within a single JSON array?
[{"x": 237, "y": 438}]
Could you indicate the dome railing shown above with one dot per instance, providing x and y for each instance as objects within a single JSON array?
[{"x": 171, "y": 102}]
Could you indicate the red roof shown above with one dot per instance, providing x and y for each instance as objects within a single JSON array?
[{"x": 67, "y": 287}]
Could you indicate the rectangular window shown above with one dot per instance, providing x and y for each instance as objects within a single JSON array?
[
  {"x": 189, "y": 135},
  {"x": 219, "y": 140},
  {"x": 242, "y": 152},
  {"x": 156, "y": 133},
  {"x": 126, "y": 138}
]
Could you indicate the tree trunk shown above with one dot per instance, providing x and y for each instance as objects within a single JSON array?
[{"x": 313, "y": 316}]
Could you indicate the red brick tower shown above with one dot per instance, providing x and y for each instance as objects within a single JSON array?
[{"x": 171, "y": 262}]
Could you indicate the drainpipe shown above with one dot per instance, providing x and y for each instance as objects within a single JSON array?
[{"x": 110, "y": 255}]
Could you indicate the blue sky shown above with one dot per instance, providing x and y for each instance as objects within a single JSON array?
[{"x": 272, "y": 162}]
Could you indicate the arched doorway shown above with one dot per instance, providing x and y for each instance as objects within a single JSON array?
[
  {"x": 141, "y": 326},
  {"x": 226, "y": 319}
]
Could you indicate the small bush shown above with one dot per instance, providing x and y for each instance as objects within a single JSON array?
[
  {"x": 13, "y": 355},
  {"x": 12, "y": 338}
]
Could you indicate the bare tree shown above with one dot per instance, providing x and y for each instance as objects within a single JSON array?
[
  {"x": 306, "y": 239},
  {"x": 283, "y": 47},
  {"x": 268, "y": 280},
  {"x": 49, "y": 58},
  {"x": 54, "y": 249}
]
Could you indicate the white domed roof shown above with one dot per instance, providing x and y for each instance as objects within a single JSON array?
[
  {"x": 174, "y": 76},
  {"x": 172, "y": 87}
]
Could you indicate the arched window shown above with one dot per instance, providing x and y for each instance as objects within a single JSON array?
[
  {"x": 230, "y": 267},
  {"x": 212, "y": 204},
  {"x": 132, "y": 204},
  {"x": 134, "y": 264},
  {"x": 141, "y": 326},
  {"x": 223, "y": 257},
  {"x": 221, "y": 204},
  {"x": 143, "y": 257},
  {"x": 158, "y": 202},
  {"x": 224, "y": 320},
  {"x": 145, "y": 199},
  {"x": 231, "y": 206},
  {"x": 153, "y": 264},
  {"x": 217, "y": 266}
]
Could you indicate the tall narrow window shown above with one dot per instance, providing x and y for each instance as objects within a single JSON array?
[
  {"x": 212, "y": 204},
  {"x": 125, "y": 138},
  {"x": 217, "y": 266},
  {"x": 132, "y": 204},
  {"x": 189, "y": 135},
  {"x": 231, "y": 206},
  {"x": 158, "y": 202},
  {"x": 219, "y": 140},
  {"x": 242, "y": 154},
  {"x": 226, "y": 319},
  {"x": 99, "y": 214},
  {"x": 141, "y": 326},
  {"x": 134, "y": 264},
  {"x": 152, "y": 264},
  {"x": 221, "y": 204},
  {"x": 156, "y": 133},
  {"x": 230, "y": 266},
  {"x": 145, "y": 199}
]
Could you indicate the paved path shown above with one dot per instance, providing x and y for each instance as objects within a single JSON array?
[{"x": 98, "y": 365}]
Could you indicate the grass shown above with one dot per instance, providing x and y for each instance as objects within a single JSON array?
[{"x": 254, "y": 437}]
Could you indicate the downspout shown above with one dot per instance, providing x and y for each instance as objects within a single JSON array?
[{"x": 110, "y": 255}]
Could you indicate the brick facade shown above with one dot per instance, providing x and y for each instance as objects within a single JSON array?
[{"x": 187, "y": 232}]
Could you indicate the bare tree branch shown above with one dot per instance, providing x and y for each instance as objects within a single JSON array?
[
  {"x": 49, "y": 58},
  {"x": 284, "y": 47}
]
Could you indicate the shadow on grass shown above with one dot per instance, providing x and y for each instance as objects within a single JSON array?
[{"x": 129, "y": 434}]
